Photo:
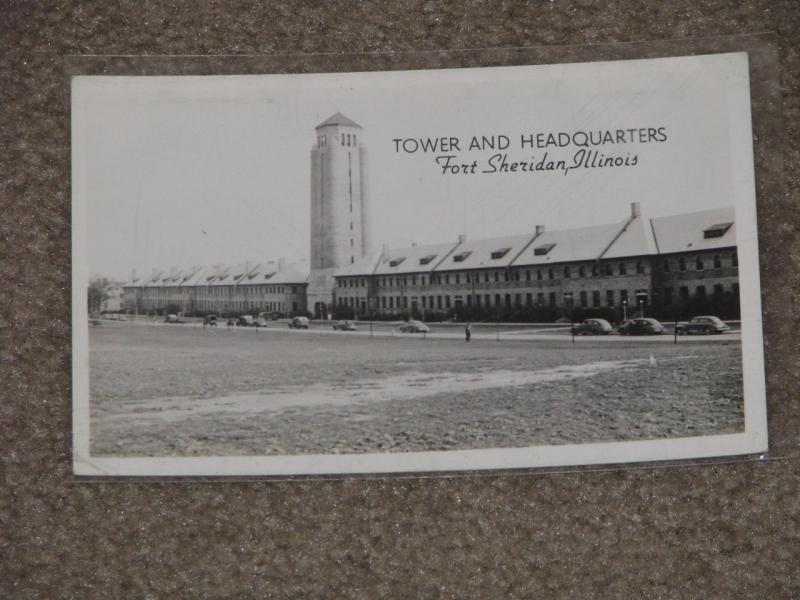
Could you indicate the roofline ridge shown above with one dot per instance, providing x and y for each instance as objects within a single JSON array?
[{"x": 613, "y": 241}]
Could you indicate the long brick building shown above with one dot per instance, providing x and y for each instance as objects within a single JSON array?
[{"x": 661, "y": 265}]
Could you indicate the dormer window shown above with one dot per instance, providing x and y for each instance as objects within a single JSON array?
[
  {"x": 543, "y": 249},
  {"x": 268, "y": 275},
  {"x": 396, "y": 261},
  {"x": 500, "y": 253},
  {"x": 716, "y": 231},
  {"x": 426, "y": 259},
  {"x": 461, "y": 256}
]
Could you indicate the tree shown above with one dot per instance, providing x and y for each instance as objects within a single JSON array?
[{"x": 98, "y": 293}]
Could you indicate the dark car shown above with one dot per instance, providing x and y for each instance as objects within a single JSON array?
[
  {"x": 344, "y": 326},
  {"x": 702, "y": 326},
  {"x": 641, "y": 326},
  {"x": 173, "y": 319},
  {"x": 269, "y": 316},
  {"x": 414, "y": 327},
  {"x": 593, "y": 327},
  {"x": 260, "y": 322},
  {"x": 247, "y": 321},
  {"x": 210, "y": 321},
  {"x": 299, "y": 323}
]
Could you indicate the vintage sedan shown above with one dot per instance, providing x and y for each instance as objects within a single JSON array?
[
  {"x": 344, "y": 326},
  {"x": 706, "y": 325},
  {"x": 641, "y": 326},
  {"x": 593, "y": 327},
  {"x": 414, "y": 327}
]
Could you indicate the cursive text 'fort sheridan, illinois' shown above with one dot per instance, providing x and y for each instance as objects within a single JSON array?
[{"x": 595, "y": 149}]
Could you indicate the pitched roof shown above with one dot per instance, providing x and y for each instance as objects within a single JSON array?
[
  {"x": 363, "y": 266},
  {"x": 634, "y": 239},
  {"x": 684, "y": 233},
  {"x": 338, "y": 119},
  {"x": 413, "y": 259},
  {"x": 486, "y": 253}
]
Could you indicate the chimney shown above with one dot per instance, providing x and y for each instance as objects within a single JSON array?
[
  {"x": 462, "y": 238},
  {"x": 539, "y": 230},
  {"x": 636, "y": 210}
]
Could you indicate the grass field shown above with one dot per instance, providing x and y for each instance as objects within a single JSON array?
[{"x": 183, "y": 391}]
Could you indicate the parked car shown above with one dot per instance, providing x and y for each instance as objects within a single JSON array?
[
  {"x": 641, "y": 326},
  {"x": 260, "y": 322},
  {"x": 706, "y": 325},
  {"x": 173, "y": 319},
  {"x": 344, "y": 326},
  {"x": 298, "y": 323},
  {"x": 247, "y": 321},
  {"x": 211, "y": 320},
  {"x": 593, "y": 327},
  {"x": 269, "y": 316},
  {"x": 414, "y": 327}
]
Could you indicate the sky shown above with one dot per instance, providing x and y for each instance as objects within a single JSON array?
[{"x": 181, "y": 171}]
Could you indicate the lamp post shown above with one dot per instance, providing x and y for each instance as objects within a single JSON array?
[
  {"x": 641, "y": 296},
  {"x": 568, "y": 300},
  {"x": 624, "y": 310}
]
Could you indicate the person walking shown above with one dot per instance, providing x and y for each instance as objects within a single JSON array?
[{"x": 468, "y": 331}]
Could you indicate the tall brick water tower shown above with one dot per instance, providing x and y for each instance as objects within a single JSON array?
[{"x": 339, "y": 207}]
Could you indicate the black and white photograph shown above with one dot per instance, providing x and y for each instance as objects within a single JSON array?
[{"x": 418, "y": 271}]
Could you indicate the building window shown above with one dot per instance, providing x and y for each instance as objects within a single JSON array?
[
  {"x": 668, "y": 296},
  {"x": 528, "y": 300},
  {"x": 496, "y": 276},
  {"x": 623, "y": 269},
  {"x": 505, "y": 276},
  {"x": 640, "y": 267},
  {"x": 488, "y": 299},
  {"x": 698, "y": 263},
  {"x": 438, "y": 302},
  {"x": 538, "y": 274},
  {"x": 595, "y": 270},
  {"x": 734, "y": 260},
  {"x": 665, "y": 266},
  {"x": 458, "y": 278},
  {"x": 405, "y": 301},
  {"x": 623, "y": 296},
  {"x": 497, "y": 301},
  {"x": 447, "y": 301},
  {"x": 700, "y": 291},
  {"x": 682, "y": 264},
  {"x": 717, "y": 261},
  {"x": 508, "y": 300},
  {"x": 567, "y": 272},
  {"x": 550, "y": 273},
  {"x": 581, "y": 271},
  {"x": 583, "y": 299},
  {"x": 516, "y": 275},
  {"x": 527, "y": 275},
  {"x": 684, "y": 292},
  {"x": 610, "y": 298},
  {"x": 486, "y": 277},
  {"x": 540, "y": 299},
  {"x": 718, "y": 289},
  {"x": 609, "y": 270},
  {"x": 596, "y": 299},
  {"x": 552, "y": 299}
]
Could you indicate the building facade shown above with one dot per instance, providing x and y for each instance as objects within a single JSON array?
[
  {"x": 663, "y": 266},
  {"x": 247, "y": 288}
]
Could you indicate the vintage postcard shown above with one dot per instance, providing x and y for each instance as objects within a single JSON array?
[{"x": 415, "y": 271}]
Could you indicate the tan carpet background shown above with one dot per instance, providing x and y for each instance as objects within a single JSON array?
[{"x": 724, "y": 530}]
